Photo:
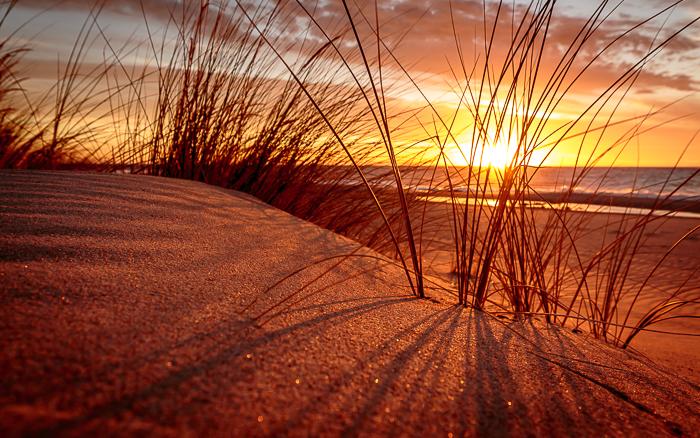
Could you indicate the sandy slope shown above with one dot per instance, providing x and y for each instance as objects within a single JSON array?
[{"x": 123, "y": 310}]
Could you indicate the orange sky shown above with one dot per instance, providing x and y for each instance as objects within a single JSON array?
[{"x": 423, "y": 39}]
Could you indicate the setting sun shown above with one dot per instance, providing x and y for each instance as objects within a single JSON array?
[{"x": 497, "y": 154}]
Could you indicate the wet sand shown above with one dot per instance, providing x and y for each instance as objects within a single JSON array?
[{"x": 143, "y": 305}]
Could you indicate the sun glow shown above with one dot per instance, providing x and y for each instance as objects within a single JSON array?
[{"x": 497, "y": 154}]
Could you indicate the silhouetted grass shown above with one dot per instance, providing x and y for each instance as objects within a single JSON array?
[
  {"x": 504, "y": 250},
  {"x": 17, "y": 146},
  {"x": 508, "y": 254},
  {"x": 214, "y": 106},
  {"x": 57, "y": 127}
]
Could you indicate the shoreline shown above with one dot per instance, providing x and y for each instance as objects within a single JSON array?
[{"x": 584, "y": 201}]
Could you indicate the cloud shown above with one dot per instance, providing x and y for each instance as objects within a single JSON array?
[
  {"x": 422, "y": 35},
  {"x": 126, "y": 7}
]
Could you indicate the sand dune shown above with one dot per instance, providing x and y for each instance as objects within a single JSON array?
[{"x": 128, "y": 306}]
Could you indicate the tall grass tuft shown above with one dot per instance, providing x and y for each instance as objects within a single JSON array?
[
  {"x": 16, "y": 144},
  {"x": 59, "y": 126},
  {"x": 508, "y": 255}
]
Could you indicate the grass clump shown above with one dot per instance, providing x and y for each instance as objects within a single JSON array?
[{"x": 509, "y": 256}]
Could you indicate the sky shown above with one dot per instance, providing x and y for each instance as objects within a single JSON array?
[{"x": 432, "y": 43}]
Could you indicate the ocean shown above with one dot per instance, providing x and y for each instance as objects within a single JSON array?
[{"x": 665, "y": 191}]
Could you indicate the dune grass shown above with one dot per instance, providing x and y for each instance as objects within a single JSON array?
[
  {"x": 60, "y": 126},
  {"x": 17, "y": 145},
  {"x": 501, "y": 248},
  {"x": 228, "y": 98}
]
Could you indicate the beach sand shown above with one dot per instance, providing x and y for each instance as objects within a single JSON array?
[{"x": 129, "y": 305}]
